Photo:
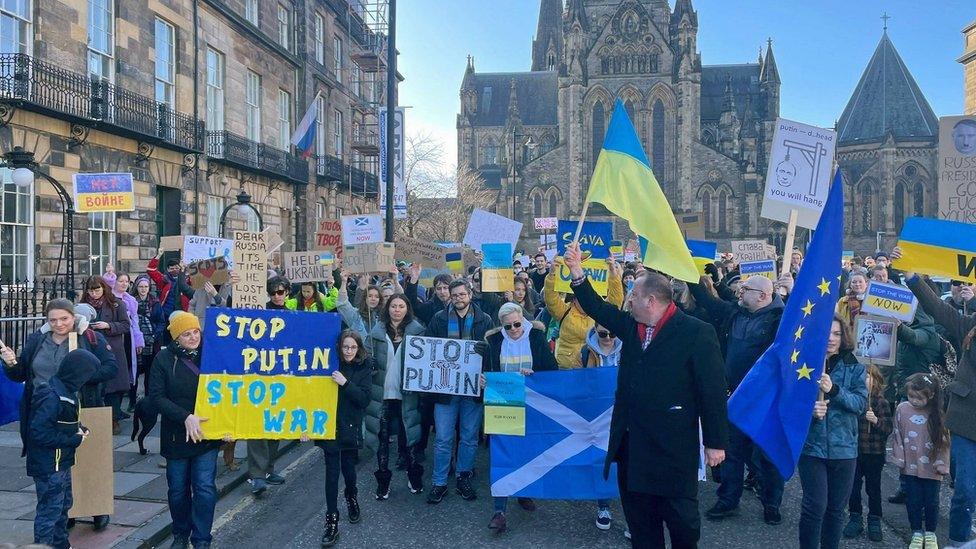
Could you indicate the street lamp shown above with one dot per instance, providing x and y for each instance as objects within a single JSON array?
[
  {"x": 531, "y": 144},
  {"x": 25, "y": 170},
  {"x": 243, "y": 199}
]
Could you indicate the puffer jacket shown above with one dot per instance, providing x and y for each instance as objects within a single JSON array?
[
  {"x": 835, "y": 436},
  {"x": 326, "y": 303},
  {"x": 173, "y": 391},
  {"x": 376, "y": 345},
  {"x": 53, "y": 430},
  {"x": 918, "y": 347},
  {"x": 573, "y": 322},
  {"x": 960, "y": 331},
  {"x": 353, "y": 400}
]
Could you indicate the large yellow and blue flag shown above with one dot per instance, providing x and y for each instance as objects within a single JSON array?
[
  {"x": 938, "y": 247},
  {"x": 774, "y": 403},
  {"x": 702, "y": 253},
  {"x": 624, "y": 183}
]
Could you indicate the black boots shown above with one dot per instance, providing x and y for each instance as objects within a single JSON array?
[
  {"x": 352, "y": 505},
  {"x": 383, "y": 484},
  {"x": 331, "y": 535}
]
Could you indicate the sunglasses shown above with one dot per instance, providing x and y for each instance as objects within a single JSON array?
[
  {"x": 604, "y": 334},
  {"x": 278, "y": 292},
  {"x": 515, "y": 325}
]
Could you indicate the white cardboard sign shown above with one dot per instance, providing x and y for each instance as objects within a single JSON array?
[
  {"x": 362, "y": 229},
  {"x": 436, "y": 365},
  {"x": 800, "y": 167},
  {"x": 488, "y": 228}
]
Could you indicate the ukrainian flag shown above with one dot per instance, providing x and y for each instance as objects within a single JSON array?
[
  {"x": 702, "y": 253},
  {"x": 454, "y": 261},
  {"x": 939, "y": 248},
  {"x": 624, "y": 183}
]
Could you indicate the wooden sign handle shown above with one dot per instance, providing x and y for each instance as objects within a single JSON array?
[{"x": 788, "y": 247}]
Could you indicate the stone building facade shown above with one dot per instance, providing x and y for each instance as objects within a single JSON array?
[
  {"x": 534, "y": 136},
  {"x": 198, "y": 99},
  {"x": 887, "y": 149},
  {"x": 968, "y": 61}
]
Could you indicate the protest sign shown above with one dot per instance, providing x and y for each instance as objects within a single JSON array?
[
  {"x": 103, "y": 192},
  {"x": 362, "y": 229},
  {"x": 957, "y": 168},
  {"x": 92, "y": 479},
  {"x": 749, "y": 250},
  {"x": 215, "y": 271},
  {"x": 550, "y": 254},
  {"x": 454, "y": 258},
  {"x": 766, "y": 268},
  {"x": 196, "y": 248},
  {"x": 329, "y": 236},
  {"x": 845, "y": 258},
  {"x": 617, "y": 250},
  {"x": 369, "y": 258},
  {"x": 546, "y": 223},
  {"x": 876, "y": 340},
  {"x": 425, "y": 253},
  {"x": 447, "y": 366},
  {"x": 267, "y": 374},
  {"x": 504, "y": 403},
  {"x": 486, "y": 227},
  {"x": 889, "y": 300},
  {"x": 307, "y": 266},
  {"x": 172, "y": 243},
  {"x": 496, "y": 268},
  {"x": 273, "y": 239},
  {"x": 251, "y": 260},
  {"x": 799, "y": 172},
  {"x": 547, "y": 242},
  {"x": 691, "y": 225},
  {"x": 596, "y": 270},
  {"x": 938, "y": 248},
  {"x": 594, "y": 239}
]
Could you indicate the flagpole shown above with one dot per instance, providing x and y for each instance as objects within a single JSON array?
[
  {"x": 579, "y": 226},
  {"x": 790, "y": 235}
]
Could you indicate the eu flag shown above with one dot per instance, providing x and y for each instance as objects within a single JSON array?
[{"x": 774, "y": 403}]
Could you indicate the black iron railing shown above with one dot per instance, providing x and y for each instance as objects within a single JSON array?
[
  {"x": 362, "y": 182},
  {"x": 251, "y": 155},
  {"x": 22, "y": 305},
  {"x": 329, "y": 168},
  {"x": 93, "y": 101}
]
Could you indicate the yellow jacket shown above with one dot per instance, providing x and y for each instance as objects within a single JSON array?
[{"x": 575, "y": 325}]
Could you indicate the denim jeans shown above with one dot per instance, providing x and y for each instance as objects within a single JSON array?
[
  {"x": 740, "y": 453},
  {"x": 964, "y": 497},
  {"x": 193, "y": 496},
  {"x": 826, "y": 487},
  {"x": 467, "y": 411},
  {"x": 53, "y": 502},
  {"x": 922, "y": 503},
  {"x": 869, "y": 467}
]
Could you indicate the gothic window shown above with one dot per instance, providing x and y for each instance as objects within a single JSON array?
[
  {"x": 537, "y": 204},
  {"x": 657, "y": 146},
  {"x": 553, "y": 202},
  {"x": 599, "y": 129},
  {"x": 868, "y": 205},
  {"x": 489, "y": 153},
  {"x": 899, "y": 205},
  {"x": 918, "y": 199},
  {"x": 654, "y": 65},
  {"x": 629, "y": 106},
  {"x": 548, "y": 144},
  {"x": 706, "y": 208},
  {"x": 551, "y": 61},
  {"x": 723, "y": 203}
]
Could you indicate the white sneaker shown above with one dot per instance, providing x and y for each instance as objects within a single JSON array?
[
  {"x": 627, "y": 533},
  {"x": 603, "y": 519},
  {"x": 931, "y": 542}
]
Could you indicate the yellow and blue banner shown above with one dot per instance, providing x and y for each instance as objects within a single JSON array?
[
  {"x": 939, "y": 248},
  {"x": 597, "y": 270},
  {"x": 594, "y": 239},
  {"x": 496, "y": 267},
  {"x": 266, "y": 374},
  {"x": 702, "y": 253},
  {"x": 890, "y": 300},
  {"x": 505, "y": 403},
  {"x": 624, "y": 183},
  {"x": 103, "y": 192},
  {"x": 766, "y": 268},
  {"x": 773, "y": 405}
]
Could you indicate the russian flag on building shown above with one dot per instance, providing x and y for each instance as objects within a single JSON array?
[{"x": 304, "y": 137}]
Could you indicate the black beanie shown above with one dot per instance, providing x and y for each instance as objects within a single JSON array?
[{"x": 77, "y": 368}]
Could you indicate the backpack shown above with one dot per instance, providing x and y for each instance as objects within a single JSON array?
[{"x": 945, "y": 369}]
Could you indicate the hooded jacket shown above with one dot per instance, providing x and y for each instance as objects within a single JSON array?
[
  {"x": 594, "y": 356},
  {"x": 919, "y": 346},
  {"x": 542, "y": 359},
  {"x": 574, "y": 324},
  {"x": 53, "y": 432},
  {"x": 354, "y": 397}
]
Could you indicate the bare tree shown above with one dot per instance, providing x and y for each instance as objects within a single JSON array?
[{"x": 442, "y": 210}]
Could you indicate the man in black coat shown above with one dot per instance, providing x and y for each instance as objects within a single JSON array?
[
  {"x": 670, "y": 378},
  {"x": 745, "y": 329}
]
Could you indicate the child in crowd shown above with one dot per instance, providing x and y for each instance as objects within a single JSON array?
[
  {"x": 920, "y": 448},
  {"x": 874, "y": 429}
]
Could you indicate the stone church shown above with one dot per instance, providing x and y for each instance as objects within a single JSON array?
[{"x": 534, "y": 136}]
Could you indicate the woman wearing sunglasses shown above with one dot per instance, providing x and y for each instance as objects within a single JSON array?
[{"x": 519, "y": 345}]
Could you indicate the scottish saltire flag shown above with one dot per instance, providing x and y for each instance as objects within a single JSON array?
[
  {"x": 567, "y": 429},
  {"x": 304, "y": 137},
  {"x": 10, "y": 394},
  {"x": 774, "y": 403},
  {"x": 624, "y": 183}
]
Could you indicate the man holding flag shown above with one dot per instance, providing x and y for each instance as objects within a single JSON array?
[
  {"x": 671, "y": 383},
  {"x": 806, "y": 392}
]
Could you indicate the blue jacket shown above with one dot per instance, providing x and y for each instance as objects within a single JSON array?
[
  {"x": 53, "y": 433},
  {"x": 835, "y": 436}
]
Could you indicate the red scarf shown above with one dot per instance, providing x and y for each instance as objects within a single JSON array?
[{"x": 642, "y": 328}]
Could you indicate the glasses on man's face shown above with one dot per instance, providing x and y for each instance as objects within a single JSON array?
[
  {"x": 744, "y": 289},
  {"x": 278, "y": 292},
  {"x": 459, "y": 295},
  {"x": 512, "y": 326},
  {"x": 604, "y": 334}
]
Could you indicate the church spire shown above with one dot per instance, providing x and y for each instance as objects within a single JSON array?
[
  {"x": 769, "y": 73},
  {"x": 513, "y": 110},
  {"x": 576, "y": 12},
  {"x": 548, "y": 44}
]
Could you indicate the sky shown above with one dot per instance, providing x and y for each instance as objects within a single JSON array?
[{"x": 821, "y": 49}]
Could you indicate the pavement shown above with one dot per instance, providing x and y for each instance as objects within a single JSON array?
[{"x": 293, "y": 516}]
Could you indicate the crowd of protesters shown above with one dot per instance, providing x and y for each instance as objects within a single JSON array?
[{"x": 689, "y": 344}]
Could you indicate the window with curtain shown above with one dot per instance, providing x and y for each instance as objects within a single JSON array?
[
  {"x": 101, "y": 232},
  {"x": 215, "y": 207},
  {"x": 15, "y": 26},
  {"x": 215, "y": 90},
  {"x": 101, "y": 39},
  {"x": 16, "y": 230},
  {"x": 318, "y": 38},
  {"x": 284, "y": 120},
  {"x": 165, "y": 63},
  {"x": 252, "y": 105}
]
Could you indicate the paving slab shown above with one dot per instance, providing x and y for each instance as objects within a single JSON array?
[
  {"x": 127, "y": 482},
  {"x": 18, "y": 532},
  {"x": 153, "y": 463},
  {"x": 13, "y": 505},
  {"x": 135, "y": 513},
  {"x": 84, "y": 537},
  {"x": 10, "y": 439}
]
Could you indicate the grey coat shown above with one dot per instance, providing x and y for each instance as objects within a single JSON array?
[{"x": 376, "y": 345}]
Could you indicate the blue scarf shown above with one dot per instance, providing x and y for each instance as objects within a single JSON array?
[{"x": 453, "y": 331}]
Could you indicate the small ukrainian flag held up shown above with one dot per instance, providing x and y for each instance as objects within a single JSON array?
[
  {"x": 624, "y": 183},
  {"x": 773, "y": 405}
]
